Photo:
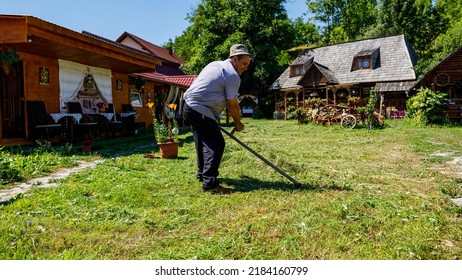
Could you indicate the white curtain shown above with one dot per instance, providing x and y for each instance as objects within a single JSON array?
[
  {"x": 71, "y": 75},
  {"x": 171, "y": 98}
]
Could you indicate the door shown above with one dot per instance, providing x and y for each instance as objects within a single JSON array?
[{"x": 12, "y": 102}]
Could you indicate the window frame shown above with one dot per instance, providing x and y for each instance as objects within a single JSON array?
[
  {"x": 296, "y": 68},
  {"x": 358, "y": 62}
]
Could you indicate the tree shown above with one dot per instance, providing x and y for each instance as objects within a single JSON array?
[
  {"x": 306, "y": 33},
  {"x": 343, "y": 20},
  {"x": 218, "y": 24},
  {"x": 441, "y": 47}
]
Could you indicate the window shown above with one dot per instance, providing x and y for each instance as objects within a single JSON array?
[
  {"x": 135, "y": 99},
  {"x": 297, "y": 70},
  {"x": 361, "y": 63}
]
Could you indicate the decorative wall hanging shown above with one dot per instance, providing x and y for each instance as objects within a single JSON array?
[
  {"x": 442, "y": 79},
  {"x": 88, "y": 82},
  {"x": 44, "y": 76},
  {"x": 89, "y": 89},
  {"x": 118, "y": 85}
]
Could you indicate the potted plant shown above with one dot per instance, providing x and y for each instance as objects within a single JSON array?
[
  {"x": 86, "y": 145},
  {"x": 7, "y": 57},
  {"x": 166, "y": 131}
]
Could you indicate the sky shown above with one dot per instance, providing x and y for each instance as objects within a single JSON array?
[{"x": 156, "y": 21}]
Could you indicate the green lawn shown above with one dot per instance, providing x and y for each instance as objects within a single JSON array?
[{"x": 365, "y": 195}]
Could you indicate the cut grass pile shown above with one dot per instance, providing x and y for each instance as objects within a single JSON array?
[{"x": 365, "y": 196}]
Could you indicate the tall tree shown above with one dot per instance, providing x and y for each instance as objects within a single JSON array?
[{"x": 342, "y": 20}]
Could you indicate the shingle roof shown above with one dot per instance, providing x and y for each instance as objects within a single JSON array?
[
  {"x": 326, "y": 72},
  {"x": 394, "y": 86},
  {"x": 122, "y": 46},
  {"x": 397, "y": 59}
]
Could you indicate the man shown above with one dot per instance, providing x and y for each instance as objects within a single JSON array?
[{"x": 215, "y": 88}]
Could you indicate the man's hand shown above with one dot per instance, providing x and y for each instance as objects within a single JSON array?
[
  {"x": 239, "y": 126},
  {"x": 235, "y": 112}
]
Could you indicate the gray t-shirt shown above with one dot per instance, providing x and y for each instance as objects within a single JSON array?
[{"x": 217, "y": 83}]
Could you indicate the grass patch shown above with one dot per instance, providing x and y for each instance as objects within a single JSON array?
[{"x": 365, "y": 195}]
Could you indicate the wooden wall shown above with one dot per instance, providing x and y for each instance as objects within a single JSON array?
[{"x": 33, "y": 90}]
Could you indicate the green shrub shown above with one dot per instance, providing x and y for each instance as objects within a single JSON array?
[
  {"x": 258, "y": 114},
  {"x": 426, "y": 107},
  {"x": 8, "y": 172}
]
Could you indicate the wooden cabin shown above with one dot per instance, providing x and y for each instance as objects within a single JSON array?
[
  {"x": 340, "y": 72},
  {"x": 53, "y": 63},
  {"x": 447, "y": 77}
]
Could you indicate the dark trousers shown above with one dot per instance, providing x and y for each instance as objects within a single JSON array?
[{"x": 210, "y": 146}]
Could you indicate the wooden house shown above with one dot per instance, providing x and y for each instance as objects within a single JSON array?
[
  {"x": 339, "y": 72},
  {"x": 54, "y": 63},
  {"x": 447, "y": 77}
]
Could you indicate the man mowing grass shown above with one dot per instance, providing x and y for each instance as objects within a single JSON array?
[{"x": 215, "y": 88}]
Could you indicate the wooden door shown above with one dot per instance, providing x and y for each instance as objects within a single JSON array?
[{"x": 12, "y": 115}]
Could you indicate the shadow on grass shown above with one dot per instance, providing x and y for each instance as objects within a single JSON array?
[{"x": 248, "y": 184}]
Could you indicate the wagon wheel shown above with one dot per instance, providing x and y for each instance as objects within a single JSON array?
[
  {"x": 322, "y": 116},
  {"x": 348, "y": 121},
  {"x": 442, "y": 79}
]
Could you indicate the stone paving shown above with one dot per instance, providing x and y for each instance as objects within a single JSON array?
[{"x": 51, "y": 180}]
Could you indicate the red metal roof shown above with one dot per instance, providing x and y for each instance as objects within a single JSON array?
[{"x": 183, "y": 80}]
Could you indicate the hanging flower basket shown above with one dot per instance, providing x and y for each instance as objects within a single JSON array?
[{"x": 7, "y": 57}]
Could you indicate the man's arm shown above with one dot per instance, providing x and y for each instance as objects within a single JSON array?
[{"x": 235, "y": 112}]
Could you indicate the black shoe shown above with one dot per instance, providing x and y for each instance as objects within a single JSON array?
[{"x": 217, "y": 190}]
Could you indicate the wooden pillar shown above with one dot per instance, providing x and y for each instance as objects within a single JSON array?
[
  {"x": 327, "y": 95},
  {"x": 334, "y": 90},
  {"x": 285, "y": 106},
  {"x": 381, "y": 103}
]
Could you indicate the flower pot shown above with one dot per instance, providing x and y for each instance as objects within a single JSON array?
[
  {"x": 86, "y": 148},
  {"x": 168, "y": 150}
]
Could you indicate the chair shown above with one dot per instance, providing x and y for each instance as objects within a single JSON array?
[
  {"x": 84, "y": 127},
  {"x": 114, "y": 125},
  {"x": 393, "y": 114},
  {"x": 131, "y": 125},
  {"x": 38, "y": 121}
]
